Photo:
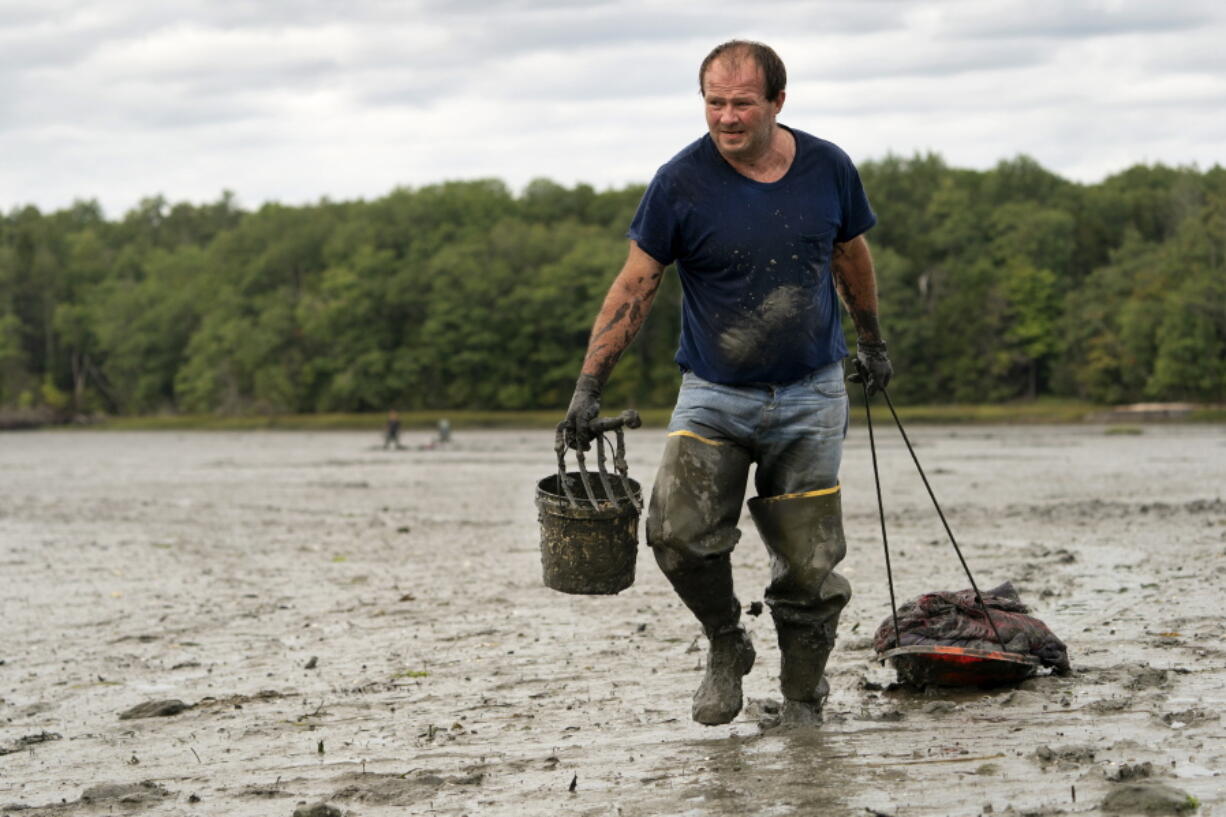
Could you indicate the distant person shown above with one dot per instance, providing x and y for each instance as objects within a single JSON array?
[
  {"x": 765, "y": 224},
  {"x": 391, "y": 434},
  {"x": 444, "y": 431}
]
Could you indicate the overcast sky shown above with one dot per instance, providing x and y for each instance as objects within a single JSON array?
[{"x": 294, "y": 100}]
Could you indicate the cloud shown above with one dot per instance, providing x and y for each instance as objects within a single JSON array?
[
  {"x": 296, "y": 99},
  {"x": 1059, "y": 19}
]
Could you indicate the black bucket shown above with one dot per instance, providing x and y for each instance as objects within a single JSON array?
[{"x": 588, "y": 548}]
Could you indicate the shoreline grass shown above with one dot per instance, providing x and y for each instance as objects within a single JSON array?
[{"x": 1040, "y": 411}]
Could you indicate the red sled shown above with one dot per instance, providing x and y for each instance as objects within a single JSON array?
[{"x": 924, "y": 665}]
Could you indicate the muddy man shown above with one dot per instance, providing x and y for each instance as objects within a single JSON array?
[{"x": 765, "y": 226}]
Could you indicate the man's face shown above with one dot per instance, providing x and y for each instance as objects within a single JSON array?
[{"x": 740, "y": 118}]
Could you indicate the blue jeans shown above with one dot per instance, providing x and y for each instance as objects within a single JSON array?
[{"x": 793, "y": 431}]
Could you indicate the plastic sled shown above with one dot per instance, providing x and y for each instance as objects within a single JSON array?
[{"x": 936, "y": 665}]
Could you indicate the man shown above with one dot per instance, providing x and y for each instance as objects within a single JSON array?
[{"x": 764, "y": 224}]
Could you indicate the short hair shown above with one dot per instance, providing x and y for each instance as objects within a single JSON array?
[{"x": 775, "y": 74}]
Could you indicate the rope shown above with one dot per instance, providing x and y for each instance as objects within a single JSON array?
[
  {"x": 978, "y": 597},
  {"x": 885, "y": 541}
]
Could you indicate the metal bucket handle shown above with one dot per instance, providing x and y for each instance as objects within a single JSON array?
[{"x": 627, "y": 419}]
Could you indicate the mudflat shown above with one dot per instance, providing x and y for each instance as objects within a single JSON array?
[{"x": 270, "y": 623}]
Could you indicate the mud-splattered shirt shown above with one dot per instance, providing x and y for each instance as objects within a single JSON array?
[{"x": 754, "y": 258}]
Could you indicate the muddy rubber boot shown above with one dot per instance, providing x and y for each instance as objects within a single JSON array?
[
  {"x": 804, "y": 534},
  {"x": 730, "y": 658},
  {"x": 705, "y": 586},
  {"x": 695, "y": 505},
  {"x": 802, "y": 674}
]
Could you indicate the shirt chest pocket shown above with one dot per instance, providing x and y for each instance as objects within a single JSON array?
[{"x": 815, "y": 250}]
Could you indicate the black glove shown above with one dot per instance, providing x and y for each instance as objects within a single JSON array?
[
  {"x": 584, "y": 406},
  {"x": 872, "y": 366}
]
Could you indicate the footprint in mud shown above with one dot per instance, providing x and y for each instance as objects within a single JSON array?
[
  {"x": 1147, "y": 678},
  {"x": 399, "y": 790},
  {"x": 1189, "y": 717},
  {"x": 1104, "y": 706},
  {"x": 1132, "y": 676},
  {"x": 127, "y": 796}
]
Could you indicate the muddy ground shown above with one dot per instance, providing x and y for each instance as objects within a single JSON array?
[{"x": 369, "y": 629}]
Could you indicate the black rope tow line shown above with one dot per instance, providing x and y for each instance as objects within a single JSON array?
[
  {"x": 885, "y": 541},
  {"x": 881, "y": 511}
]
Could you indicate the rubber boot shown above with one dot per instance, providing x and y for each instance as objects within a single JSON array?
[
  {"x": 804, "y": 535},
  {"x": 729, "y": 659},
  {"x": 691, "y": 527}
]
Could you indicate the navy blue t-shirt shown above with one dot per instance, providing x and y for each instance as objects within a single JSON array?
[{"x": 754, "y": 258}]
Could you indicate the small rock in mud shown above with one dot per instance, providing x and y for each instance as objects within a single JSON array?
[
  {"x": 1064, "y": 756},
  {"x": 313, "y": 663},
  {"x": 154, "y": 709},
  {"x": 1129, "y": 771},
  {"x": 755, "y": 608},
  {"x": 1149, "y": 797},
  {"x": 317, "y": 810},
  {"x": 128, "y": 794}
]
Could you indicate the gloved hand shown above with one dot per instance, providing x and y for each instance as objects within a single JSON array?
[
  {"x": 872, "y": 366},
  {"x": 584, "y": 406}
]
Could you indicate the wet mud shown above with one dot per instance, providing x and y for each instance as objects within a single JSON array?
[{"x": 317, "y": 627}]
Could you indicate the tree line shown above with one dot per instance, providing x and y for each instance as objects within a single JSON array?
[{"x": 994, "y": 285}]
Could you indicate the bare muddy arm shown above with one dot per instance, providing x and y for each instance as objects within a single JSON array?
[
  {"x": 856, "y": 282},
  {"x": 620, "y": 319},
  {"x": 624, "y": 310}
]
